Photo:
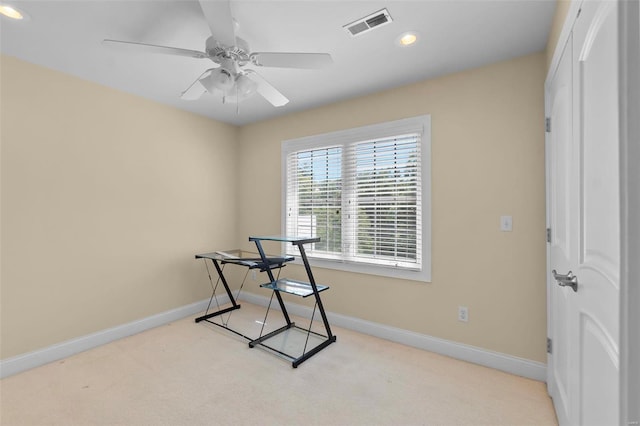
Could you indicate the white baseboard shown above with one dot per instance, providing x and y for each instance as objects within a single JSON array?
[
  {"x": 510, "y": 364},
  {"x": 17, "y": 364},
  {"x": 496, "y": 360}
]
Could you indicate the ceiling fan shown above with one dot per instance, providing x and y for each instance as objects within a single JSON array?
[{"x": 231, "y": 55}]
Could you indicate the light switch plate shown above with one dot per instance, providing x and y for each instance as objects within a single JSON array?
[{"x": 506, "y": 223}]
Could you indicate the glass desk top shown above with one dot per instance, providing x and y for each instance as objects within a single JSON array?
[
  {"x": 286, "y": 239},
  {"x": 241, "y": 257}
]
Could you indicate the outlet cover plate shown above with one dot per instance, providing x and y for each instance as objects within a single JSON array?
[{"x": 463, "y": 313}]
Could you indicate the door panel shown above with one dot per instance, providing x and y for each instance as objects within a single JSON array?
[
  {"x": 561, "y": 152},
  {"x": 599, "y": 106},
  {"x": 598, "y": 349},
  {"x": 598, "y": 270}
]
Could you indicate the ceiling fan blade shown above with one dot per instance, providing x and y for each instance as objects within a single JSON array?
[
  {"x": 197, "y": 89},
  {"x": 291, "y": 60},
  {"x": 220, "y": 21},
  {"x": 151, "y": 48},
  {"x": 267, "y": 91}
]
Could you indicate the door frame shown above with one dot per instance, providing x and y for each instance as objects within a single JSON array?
[
  {"x": 629, "y": 39},
  {"x": 629, "y": 95}
]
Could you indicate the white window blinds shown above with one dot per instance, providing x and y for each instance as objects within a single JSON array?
[
  {"x": 314, "y": 197},
  {"x": 361, "y": 197},
  {"x": 384, "y": 201}
]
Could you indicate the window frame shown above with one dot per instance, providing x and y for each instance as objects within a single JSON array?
[{"x": 420, "y": 124}]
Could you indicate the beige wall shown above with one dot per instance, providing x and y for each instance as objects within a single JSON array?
[
  {"x": 562, "y": 8},
  {"x": 487, "y": 161},
  {"x": 106, "y": 197}
]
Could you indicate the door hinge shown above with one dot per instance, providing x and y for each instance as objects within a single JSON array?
[
  {"x": 547, "y": 124},
  {"x": 549, "y": 345},
  {"x": 548, "y": 235}
]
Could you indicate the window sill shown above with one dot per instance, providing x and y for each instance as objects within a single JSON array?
[{"x": 359, "y": 268}]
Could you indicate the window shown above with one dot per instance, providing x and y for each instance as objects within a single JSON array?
[{"x": 366, "y": 193}]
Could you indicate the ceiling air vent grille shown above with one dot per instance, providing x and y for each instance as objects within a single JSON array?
[{"x": 368, "y": 23}]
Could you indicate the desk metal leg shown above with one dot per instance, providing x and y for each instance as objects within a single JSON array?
[
  {"x": 312, "y": 352},
  {"x": 272, "y": 278},
  {"x": 330, "y": 338},
  {"x": 226, "y": 287},
  {"x": 312, "y": 281}
]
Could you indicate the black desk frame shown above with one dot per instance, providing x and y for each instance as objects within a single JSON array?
[
  {"x": 298, "y": 288},
  {"x": 219, "y": 259}
]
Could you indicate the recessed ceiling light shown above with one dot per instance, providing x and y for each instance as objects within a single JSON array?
[
  {"x": 12, "y": 12},
  {"x": 408, "y": 38}
]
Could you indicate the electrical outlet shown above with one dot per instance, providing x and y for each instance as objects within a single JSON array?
[
  {"x": 463, "y": 313},
  {"x": 253, "y": 274}
]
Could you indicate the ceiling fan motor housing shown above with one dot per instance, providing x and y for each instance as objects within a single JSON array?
[{"x": 218, "y": 52}]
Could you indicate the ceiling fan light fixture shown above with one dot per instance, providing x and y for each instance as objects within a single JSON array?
[
  {"x": 245, "y": 87},
  {"x": 12, "y": 12},
  {"x": 220, "y": 79}
]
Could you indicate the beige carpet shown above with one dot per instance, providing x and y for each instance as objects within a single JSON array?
[{"x": 198, "y": 374}]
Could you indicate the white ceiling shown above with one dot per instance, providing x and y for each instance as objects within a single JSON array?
[{"x": 454, "y": 35}]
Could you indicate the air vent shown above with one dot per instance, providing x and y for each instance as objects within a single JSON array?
[{"x": 368, "y": 23}]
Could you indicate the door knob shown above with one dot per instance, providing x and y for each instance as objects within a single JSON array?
[{"x": 568, "y": 280}]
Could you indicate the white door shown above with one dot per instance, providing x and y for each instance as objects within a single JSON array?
[
  {"x": 584, "y": 370},
  {"x": 561, "y": 171}
]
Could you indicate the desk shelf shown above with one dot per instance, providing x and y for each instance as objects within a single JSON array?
[{"x": 299, "y": 288}]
